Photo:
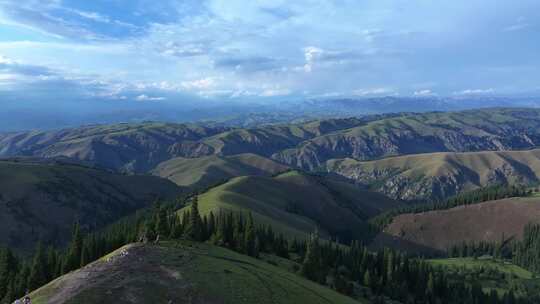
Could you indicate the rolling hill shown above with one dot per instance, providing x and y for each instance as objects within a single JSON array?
[
  {"x": 202, "y": 172},
  {"x": 41, "y": 200},
  {"x": 296, "y": 204},
  {"x": 183, "y": 273},
  {"x": 141, "y": 147},
  {"x": 492, "y": 221},
  {"x": 473, "y": 130},
  {"x": 440, "y": 175},
  {"x": 123, "y": 147}
]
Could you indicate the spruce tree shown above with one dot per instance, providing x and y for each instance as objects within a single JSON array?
[
  {"x": 312, "y": 259},
  {"x": 73, "y": 258},
  {"x": 194, "y": 229},
  {"x": 250, "y": 237},
  {"x": 38, "y": 275},
  {"x": 162, "y": 225}
]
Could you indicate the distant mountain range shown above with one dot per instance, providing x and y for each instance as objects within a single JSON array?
[
  {"x": 360, "y": 149},
  {"x": 23, "y": 115}
]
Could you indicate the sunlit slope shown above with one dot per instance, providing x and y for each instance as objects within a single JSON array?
[
  {"x": 210, "y": 170},
  {"x": 474, "y": 130},
  {"x": 183, "y": 273},
  {"x": 439, "y": 175},
  {"x": 295, "y": 203}
]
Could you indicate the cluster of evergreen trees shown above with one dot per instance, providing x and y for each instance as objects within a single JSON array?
[
  {"x": 390, "y": 274},
  {"x": 347, "y": 269},
  {"x": 526, "y": 253},
  {"x": 467, "y": 198}
]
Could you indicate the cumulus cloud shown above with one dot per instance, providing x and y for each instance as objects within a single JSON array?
[
  {"x": 144, "y": 97},
  {"x": 200, "y": 84},
  {"x": 275, "y": 92},
  {"x": 374, "y": 91},
  {"x": 424, "y": 93},
  {"x": 315, "y": 55},
  {"x": 475, "y": 92},
  {"x": 304, "y": 46}
]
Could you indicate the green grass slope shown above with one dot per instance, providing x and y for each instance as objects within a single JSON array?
[
  {"x": 439, "y": 175},
  {"x": 183, "y": 273},
  {"x": 41, "y": 200},
  {"x": 295, "y": 203},
  {"x": 207, "y": 171},
  {"x": 491, "y": 274}
]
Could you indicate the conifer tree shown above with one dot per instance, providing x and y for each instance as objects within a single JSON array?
[
  {"x": 73, "y": 258},
  {"x": 312, "y": 259},
  {"x": 194, "y": 227},
  {"x": 38, "y": 275},
  {"x": 162, "y": 225},
  {"x": 250, "y": 237}
]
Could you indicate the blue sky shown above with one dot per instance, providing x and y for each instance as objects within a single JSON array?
[{"x": 173, "y": 51}]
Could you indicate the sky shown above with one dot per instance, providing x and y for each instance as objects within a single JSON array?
[{"x": 148, "y": 51}]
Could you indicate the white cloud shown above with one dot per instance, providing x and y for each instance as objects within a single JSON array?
[
  {"x": 275, "y": 92},
  {"x": 520, "y": 24},
  {"x": 475, "y": 92},
  {"x": 374, "y": 91},
  {"x": 145, "y": 97},
  {"x": 200, "y": 84},
  {"x": 310, "y": 54},
  {"x": 422, "y": 93}
]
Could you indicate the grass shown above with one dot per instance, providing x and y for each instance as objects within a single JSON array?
[
  {"x": 491, "y": 274},
  {"x": 334, "y": 206},
  {"x": 209, "y": 170},
  {"x": 29, "y": 190},
  {"x": 472, "y": 263},
  {"x": 185, "y": 272}
]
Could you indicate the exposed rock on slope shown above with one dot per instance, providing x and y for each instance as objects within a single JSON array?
[
  {"x": 439, "y": 175},
  {"x": 474, "y": 130}
]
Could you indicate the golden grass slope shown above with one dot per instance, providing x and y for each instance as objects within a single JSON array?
[
  {"x": 442, "y": 174},
  {"x": 210, "y": 170}
]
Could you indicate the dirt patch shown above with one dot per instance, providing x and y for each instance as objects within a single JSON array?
[{"x": 490, "y": 221}]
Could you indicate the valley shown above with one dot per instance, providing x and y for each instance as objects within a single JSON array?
[{"x": 273, "y": 192}]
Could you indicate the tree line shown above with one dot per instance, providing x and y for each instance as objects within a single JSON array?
[
  {"x": 467, "y": 198},
  {"x": 351, "y": 270}
]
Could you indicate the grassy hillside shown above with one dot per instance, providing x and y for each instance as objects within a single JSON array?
[
  {"x": 183, "y": 273},
  {"x": 295, "y": 203},
  {"x": 41, "y": 200},
  {"x": 440, "y": 175},
  {"x": 206, "y": 171},
  {"x": 126, "y": 147},
  {"x": 491, "y": 274},
  {"x": 490, "y": 221},
  {"x": 141, "y": 147},
  {"x": 473, "y": 130}
]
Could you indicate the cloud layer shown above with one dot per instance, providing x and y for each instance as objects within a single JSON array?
[{"x": 168, "y": 51}]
